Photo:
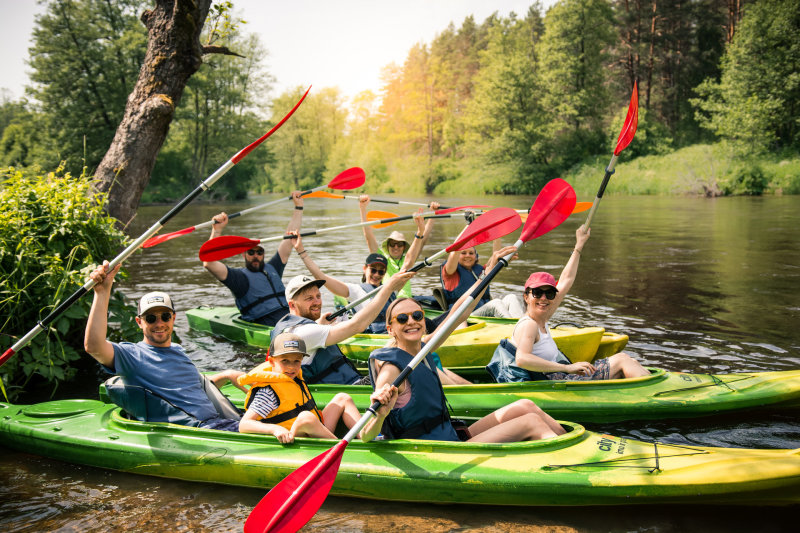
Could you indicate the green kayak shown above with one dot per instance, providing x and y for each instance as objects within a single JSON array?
[
  {"x": 467, "y": 350},
  {"x": 578, "y": 468},
  {"x": 661, "y": 395}
]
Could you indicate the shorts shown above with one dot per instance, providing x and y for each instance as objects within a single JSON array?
[
  {"x": 222, "y": 424},
  {"x": 602, "y": 371}
]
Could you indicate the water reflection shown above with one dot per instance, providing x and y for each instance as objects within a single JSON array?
[{"x": 699, "y": 285}]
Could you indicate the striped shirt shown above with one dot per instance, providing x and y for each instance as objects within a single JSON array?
[{"x": 264, "y": 401}]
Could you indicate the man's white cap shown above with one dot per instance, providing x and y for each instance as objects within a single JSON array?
[
  {"x": 298, "y": 283},
  {"x": 155, "y": 299}
]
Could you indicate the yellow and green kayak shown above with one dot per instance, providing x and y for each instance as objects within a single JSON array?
[
  {"x": 661, "y": 395},
  {"x": 578, "y": 468},
  {"x": 467, "y": 350}
]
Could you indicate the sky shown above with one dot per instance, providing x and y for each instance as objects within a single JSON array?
[{"x": 324, "y": 43}]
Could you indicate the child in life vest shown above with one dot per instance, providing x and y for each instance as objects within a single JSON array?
[{"x": 279, "y": 402}]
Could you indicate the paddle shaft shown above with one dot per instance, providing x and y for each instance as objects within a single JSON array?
[
  {"x": 257, "y": 207},
  {"x": 385, "y": 201},
  {"x": 601, "y": 191},
  {"x": 356, "y": 225},
  {"x": 443, "y": 331},
  {"x": 204, "y": 185},
  {"x": 428, "y": 261}
]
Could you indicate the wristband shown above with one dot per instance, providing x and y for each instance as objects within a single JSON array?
[
  {"x": 576, "y": 250},
  {"x": 299, "y": 207},
  {"x": 301, "y": 253},
  {"x": 418, "y": 236}
]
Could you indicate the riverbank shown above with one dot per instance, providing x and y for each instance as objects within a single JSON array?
[{"x": 699, "y": 170}]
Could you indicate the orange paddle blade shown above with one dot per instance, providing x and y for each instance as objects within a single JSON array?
[
  {"x": 380, "y": 215},
  {"x": 324, "y": 194}
]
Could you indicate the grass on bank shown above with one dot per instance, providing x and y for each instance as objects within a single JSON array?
[{"x": 698, "y": 170}]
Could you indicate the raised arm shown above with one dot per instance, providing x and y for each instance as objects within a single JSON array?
[
  {"x": 217, "y": 268},
  {"x": 332, "y": 284},
  {"x": 570, "y": 271},
  {"x": 94, "y": 341},
  {"x": 458, "y": 307},
  {"x": 416, "y": 246},
  {"x": 364, "y": 318},
  {"x": 369, "y": 235},
  {"x": 285, "y": 247}
]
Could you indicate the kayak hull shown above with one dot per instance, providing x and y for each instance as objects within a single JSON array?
[
  {"x": 661, "y": 395},
  {"x": 467, "y": 350},
  {"x": 578, "y": 468}
]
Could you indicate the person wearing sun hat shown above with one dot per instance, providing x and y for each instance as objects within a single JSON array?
[
  {"x": 257, "y": 287},
  {"x": 325, "y": 362},
  {"x": 157, "y": 380},
  {"x": 399, "y": 253},
  {"x": 532, "y": 354}
]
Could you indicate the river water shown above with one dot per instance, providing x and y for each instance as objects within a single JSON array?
[{"x": 699, "y": 285}]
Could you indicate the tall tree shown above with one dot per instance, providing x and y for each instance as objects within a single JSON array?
[
  {"x": 174, "y": 53},
  {"x": 84, "y": 60},
  {"x": 757, "y": 99}
]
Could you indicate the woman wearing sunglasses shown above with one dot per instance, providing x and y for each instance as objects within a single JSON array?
[
  {"x": 536, "y": 353},
  {"x": 417, "y": 409},
  {"x": 399, "y": 253}
]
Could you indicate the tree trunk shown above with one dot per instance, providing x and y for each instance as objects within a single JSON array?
[{"x": 173, "y": 54}]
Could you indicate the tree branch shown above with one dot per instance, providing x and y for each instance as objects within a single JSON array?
[{"x": 214, "y": 49}]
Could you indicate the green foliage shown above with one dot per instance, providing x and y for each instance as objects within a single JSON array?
[
  {"x": 52, "y": 231},
  {"x": 698, "y": 170},
  {"x": 756, "y": 102},
  {"x": 85, "y": 59}
]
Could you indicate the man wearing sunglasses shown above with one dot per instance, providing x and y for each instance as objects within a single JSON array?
[
  {"x": 325, "y": 362},
  {"x": 257, "y": 287},
  {"x": 160, "y": 382},
  {"x": 374, "y": 270}
]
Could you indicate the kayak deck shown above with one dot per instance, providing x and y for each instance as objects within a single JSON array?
[
  {"x": 467, "y": 349},
  {"x": 578, "y": 468}
]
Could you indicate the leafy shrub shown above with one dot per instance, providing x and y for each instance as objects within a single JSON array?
[
  {"x": 748, "y": 180},
  {"x": 53, "y": 230}
]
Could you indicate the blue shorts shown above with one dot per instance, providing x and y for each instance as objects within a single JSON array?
[{"x": 222, "y": 424}]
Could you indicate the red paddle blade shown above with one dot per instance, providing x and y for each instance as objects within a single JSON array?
[
  {"x": 292, "y": 502},
  {"x": 451, "y": 209},
  {"x": 352, "y": 178},
  {"x": 553, "y": 205},
  {"x": 250, "y": 147},
  {"x": 631, "y": 121},
  {"x": 323, "y": 194},
  {"x": 158, "y": 239},
  {"x": 226, "y": 246},
  {"x": 489, "y": 226}
]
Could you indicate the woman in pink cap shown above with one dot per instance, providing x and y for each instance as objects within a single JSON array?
[{"x": 536, "y": 353}]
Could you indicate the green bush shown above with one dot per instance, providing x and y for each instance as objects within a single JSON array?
[{"x": 53, "y": 230}]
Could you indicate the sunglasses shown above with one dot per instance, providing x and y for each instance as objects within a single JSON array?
[
  {"x": 393, "y": 244},
  {"x": 402, "y": 318},
  {"x": 166, "y": 316},
  {"x": 255, "y": 252},
  {"x": 378, "y": 271},
  {"x": 537, "y": 292}
]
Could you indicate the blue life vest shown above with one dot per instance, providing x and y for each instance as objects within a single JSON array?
[
  {"x": 425, "y": 416},
  {"x": 266, "y": 294},
  {"x": 379, "y": 324},
  {"x": 466, "y": 279},
  {"x": 329, "y": 364}
]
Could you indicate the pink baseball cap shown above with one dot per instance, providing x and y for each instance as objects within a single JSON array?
[{"x": 538, "y": 279}]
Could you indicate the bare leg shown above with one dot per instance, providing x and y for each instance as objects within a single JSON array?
[
  {"x": 308, "y": 425},
  {"x": 526, "y": 427},
  {"x": 340, "y": 407},
  {"x": 512, "y": 412},
  {"x": 623, "y": 365}
]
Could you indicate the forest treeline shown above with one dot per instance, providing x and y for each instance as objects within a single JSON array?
[{"x": 499, "y": 106}]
